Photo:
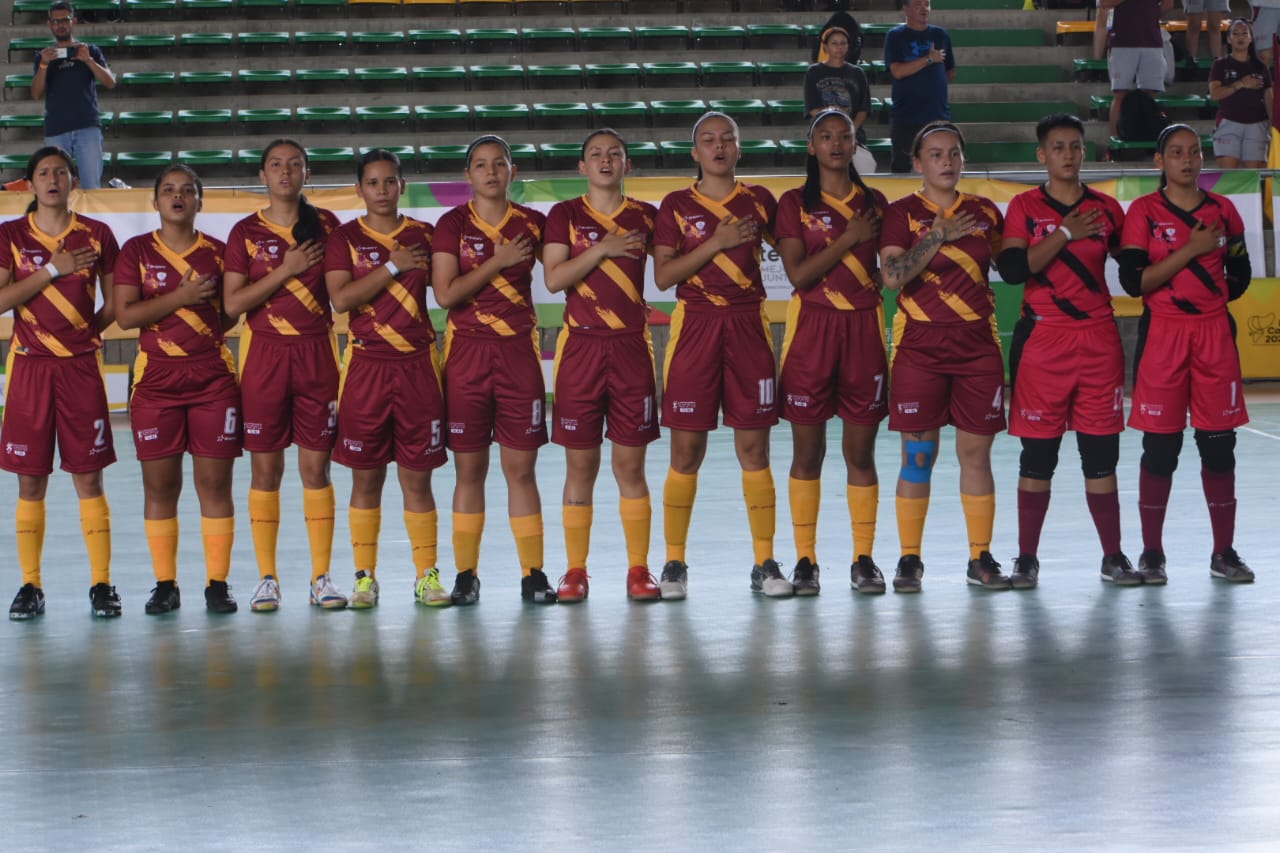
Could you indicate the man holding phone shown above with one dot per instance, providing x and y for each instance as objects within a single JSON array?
[{"x": 67, "y": 76}]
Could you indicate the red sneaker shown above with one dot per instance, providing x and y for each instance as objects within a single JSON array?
[
  {"x": 641, "y": 586},
  {"x": 573, "y": 586}
]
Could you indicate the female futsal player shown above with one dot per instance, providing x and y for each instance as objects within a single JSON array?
[{"x": 185, "y": 394}]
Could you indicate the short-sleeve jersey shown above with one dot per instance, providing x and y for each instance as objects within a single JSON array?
[
  {"x": 59, "y": 320},
  {"x": 850, "y": 285},
  {"x": 687, "y": 219},
  {"x": 396, "y": 320},
  {"x": 1073, "y": 286},
  {"x": 1136, "y": 23},
  {"x": 612, "y": 294},
  {"x": 954, "y": 287},
  {"x": 1245, "y": 106},
  {"x": 1160, "y": 228},
  {"x": 504, "y": 306},
  {"x": 149, "y": 265},
  {"x": 300, "y": 306}
]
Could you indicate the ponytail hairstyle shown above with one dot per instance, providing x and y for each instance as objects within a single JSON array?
[
  {"x": 693, "y": 137},
  {"x": 308, "y": 226},
  {"x": 813, "y": 175},
  {"x": 378, "y": 155},
  {"x": 34, "y": 161},
  {"x": 184, "y": 169},
  {"x": 1162, "y": 142}
]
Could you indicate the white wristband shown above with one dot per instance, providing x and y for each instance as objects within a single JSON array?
[
  {"x": 1067, "y": 231},
  {"x": 392, "y": 268},
  {"x": 52, "y": 271}
]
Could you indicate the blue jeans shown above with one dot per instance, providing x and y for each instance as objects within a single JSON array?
[{"x": 85, "y": 147}]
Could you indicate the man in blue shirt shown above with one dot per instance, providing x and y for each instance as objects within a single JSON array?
[
  {"x": 67, "y": 76},
  {"x": 920, "y": 59}
]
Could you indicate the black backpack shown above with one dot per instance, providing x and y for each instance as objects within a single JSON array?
[{"x": 1141, "y": 118}]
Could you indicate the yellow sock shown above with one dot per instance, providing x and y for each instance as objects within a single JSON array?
[
  {"x": 637, "y": 521},
  {"x": 864, "y": 503},
  {"x": 29, "y": 532},
  {"x": 219, "y": 535},
  {"x": 528, "y": 532},
  {"x": 162, "y": 539},
  {"x": 264, "y": 527},
  {"x": 806, "y": 495},
  {"x": 577, "y": 534},
  {"x": 424, "y": 532},
  {"x": 911, "y": 515},
  {"x": 762, "y": 510},
  {"x": 319, "y": 510},
  {"x": 366, "y": 525},
  {"x": 95, "y": 523},
  {"x": 979, "y": 520},
  {"x": 467, "y": 528},
  {"x": 677, "y": 511}
]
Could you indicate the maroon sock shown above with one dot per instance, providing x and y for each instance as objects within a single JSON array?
[
  {"x": 1153, "y": 500},
  {"x": 1032, "y": 508},
  {"x": 1220, "y": 495},
  {"x": 1105, "y": 509}
]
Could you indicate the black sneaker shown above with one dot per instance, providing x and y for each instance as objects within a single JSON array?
[
  {"x": 104, "y": 600},
  {"x": 466, "y": 588},
  {"x": 865, "y": 576},
  {"x": 767, "y": 578},
  {"x": 1117, "y": 569},
  {"x": 1151, "y": 568},
  {"x": 1026, "y": 572},
  {"x": 217, "y": 598},
  {"x": 1230, "y": 567},
  {"x": 804, "y": 579},
  {"x": 674, "y": 583},
  {"x": 985, "y": 572},
  {"x": 164, "y": 598},
  {"x": 910, "y": 574},
  {"x": 536, "y": 588},
  {"x": 27, "y": 603}
]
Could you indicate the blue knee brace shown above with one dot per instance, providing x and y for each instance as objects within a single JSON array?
[{"x": 917, "y": 461}]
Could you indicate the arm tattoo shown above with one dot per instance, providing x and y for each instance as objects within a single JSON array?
[{"x": 897, "y": 267}]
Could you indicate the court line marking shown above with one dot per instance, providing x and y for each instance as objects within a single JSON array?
[{"x": 1261, "y": 433}]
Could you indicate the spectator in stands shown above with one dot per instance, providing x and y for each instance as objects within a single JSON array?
[
  {"x": 1196, "y": 14},
  {"x": 1266, "y": 26},
  {"x": 67, "y": 76},
  {"x": 836, "y": 82},
  {"x": 1137, "y": 55},
  {"x": 1241, "y": 85},
  {"x": 919, "y": 57}
]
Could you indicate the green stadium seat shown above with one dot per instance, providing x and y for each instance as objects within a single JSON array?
[
  {"x": 268, "y": 79},
  {"x": 643, "y": 154},
  {"x": 791, "y": 148},
  {"x": 1021, "y": 75},
  {"x": 442, "y": 116},
  {"x": 335, "y": 116},
  {"x": 745, "y": 111},
  {"x": 560, "y": 155},
  {"x": 492, "y": 39},
  {"x": 670, "y": 75},
  {"x": 524, "y": 154},
  {"x": 318, "y": 8},
  {"x": 548, "y": 116},
  {"x": 380, "y": 78},
  {"x": 28, "y": 46},
  {"x": 442, "y": 157},
  {"x": 620, "y": 113},
  {"x": 1089, "y": 69},
  {"x": 786, "y": 110},
  {"x": 676, "y": 113},
  {"x": 876, "y": 71},
  {"x": 338, "y": 154},
  {"x": 675, "y": 153},
  {"x": 610, "y": 75},
  {"x": 206, "y": 79},
  {"x": 139, "y": 118},
  {"x": 264, "y": 42},
  {"x": 556, "y": 75},
  {"x": 719, "y": 37},
  {"x": 374, "y": 41},
  {"x": 663, "y": 37},
  {"x": 605, "y": 39},
  {"x": 21, "y": 122},
  {"x": 149, "y": 161},
  {"x": 105, "y": 41},
  {"x": 136, "y": 10},
  {"x": 207, "y": 157},
  {"x": 407, "y": 153},
  {"x": 149, "y": 45},
  {"x": 775, "y": 73},
  {"x": 322, "y": 79},
  {"x": 320, "y": 41},
  {"x": 758, "y": 152},
  {"x": 263, "y": 8},
  {"x": 258, "y": 116},
  {"x": 206, "y": 44},
  {"x": 501, "y": 116},
  {"x": 16, "y": 82},
  {"x": 439, "y": 78},
  {"x": 776, "y": 36},
  {"x": 382, "y": 116},
  {"x": 497, "y": 76},
  {"x": 740, "y": 73},
  {"x": 1028, "y": 112},
  {"x": 207, "y": 8},
  {"x": 148, "y": 82},
  {"x": 251, "y": 157},
  {"x": 436, "y": 40},
  {"x": 206, "y": 116},
  {"x": 29, "y": 8},
  {"x": 561, "y": 39},
  {"x": 15, "y": 162}
]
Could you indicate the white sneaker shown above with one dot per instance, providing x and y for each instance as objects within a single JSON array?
[
  {"x": 674, "y": 583},
  {"x": 325, "y": 594},
  {"x": 767, "y": 578},
  {"x": 266, "y": 597},
  {"x": 365, "y": 595},
  {"x": 430, "y": 591}
]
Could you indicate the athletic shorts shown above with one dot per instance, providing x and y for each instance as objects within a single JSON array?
[
  {"x": 1199, "y": 7},
  {"x": 1066, "y": 378},
  {"x": 391, "y": 407},
  {"x": 1245, "y": 142},
  {"x": 719, "y": 357},
  {"x": 833, "y": 363},
  {"x": 952, "y": 374},
  {"x": 55, "y": 398},
  {"x": 289, "y": 391},
  {"x": 1136, "y": 68},
  {"x": 599, "y": 377},
  {"x": 494, "y": 391},
  {"x": 1187, "y": 363},
  {"x": 184, "y": 405}
]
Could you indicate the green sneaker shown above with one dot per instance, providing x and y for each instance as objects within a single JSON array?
[
  {"x": 430, "y": 591},
  {"x": 365, "y": 595}
]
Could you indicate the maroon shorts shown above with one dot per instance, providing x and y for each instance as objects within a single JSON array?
[
  {"x": 289, "y": 389},
  {"x": 185, "y": 404},
  {"x": 391, "y": 407},
  {"x": 952, "y": 374},
  {"x": 833, "y": 363},
  {"x": 1187, "y": 363},
  {"x": 599, "y": 376},
  {"x": 1067, "y": 377},
  {"x": 55, "y": 398},
  {"x": 715, "y": 357},
  {"x": 493, "y": 390}
]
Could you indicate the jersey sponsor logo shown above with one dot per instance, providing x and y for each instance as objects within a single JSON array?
[
  {"x": 799, "y": 401},
  {"x": 1154, "y": 410},
  {"x": 912, "y": 408},
  {"x": 149, "y": 434},
  {"x": 684, "y": 407},
  {"x": 353, "y": 445},
  {"x": 251, "y": 428},
  {"x": 570, "y": 424},
  {"x": 15, "y": 449},
  {"x": 1164, "y": 232},
  {"x": 457, "y": 427},
  {"x": 1032, "y": 415}
]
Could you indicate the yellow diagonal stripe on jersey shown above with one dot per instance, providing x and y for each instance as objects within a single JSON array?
[
  {"x": 725, "y": 265},
  {"x": 907, "y": 304},
  {"x": 854, "y": 265},
  {"x": 964, "y": 261},
  {"x": 500, "y": 282},
  {"x": 610, "y": 267},
  {"x": 185, "y": 314},
  {"x": 395, "y": 288},
  {"x": 391, "y": 336}
]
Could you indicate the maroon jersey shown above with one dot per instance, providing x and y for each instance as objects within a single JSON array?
[
  {"x": 1073, "y": 286},
  {"x": 394, "y": 321},
  {"x": 59, "y": 320},
  {"x": 954, "y": 287},
  {"x": 851, "y": 284},
  {"x": 149, "y": 265},
  {"x": 505, "y": 305},
  {"x": 687, "y": 219},
  {"x": 612, "y": 295},
  {"x": 1160, "y": 228},
  {"x": 300, "y": 306}
]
